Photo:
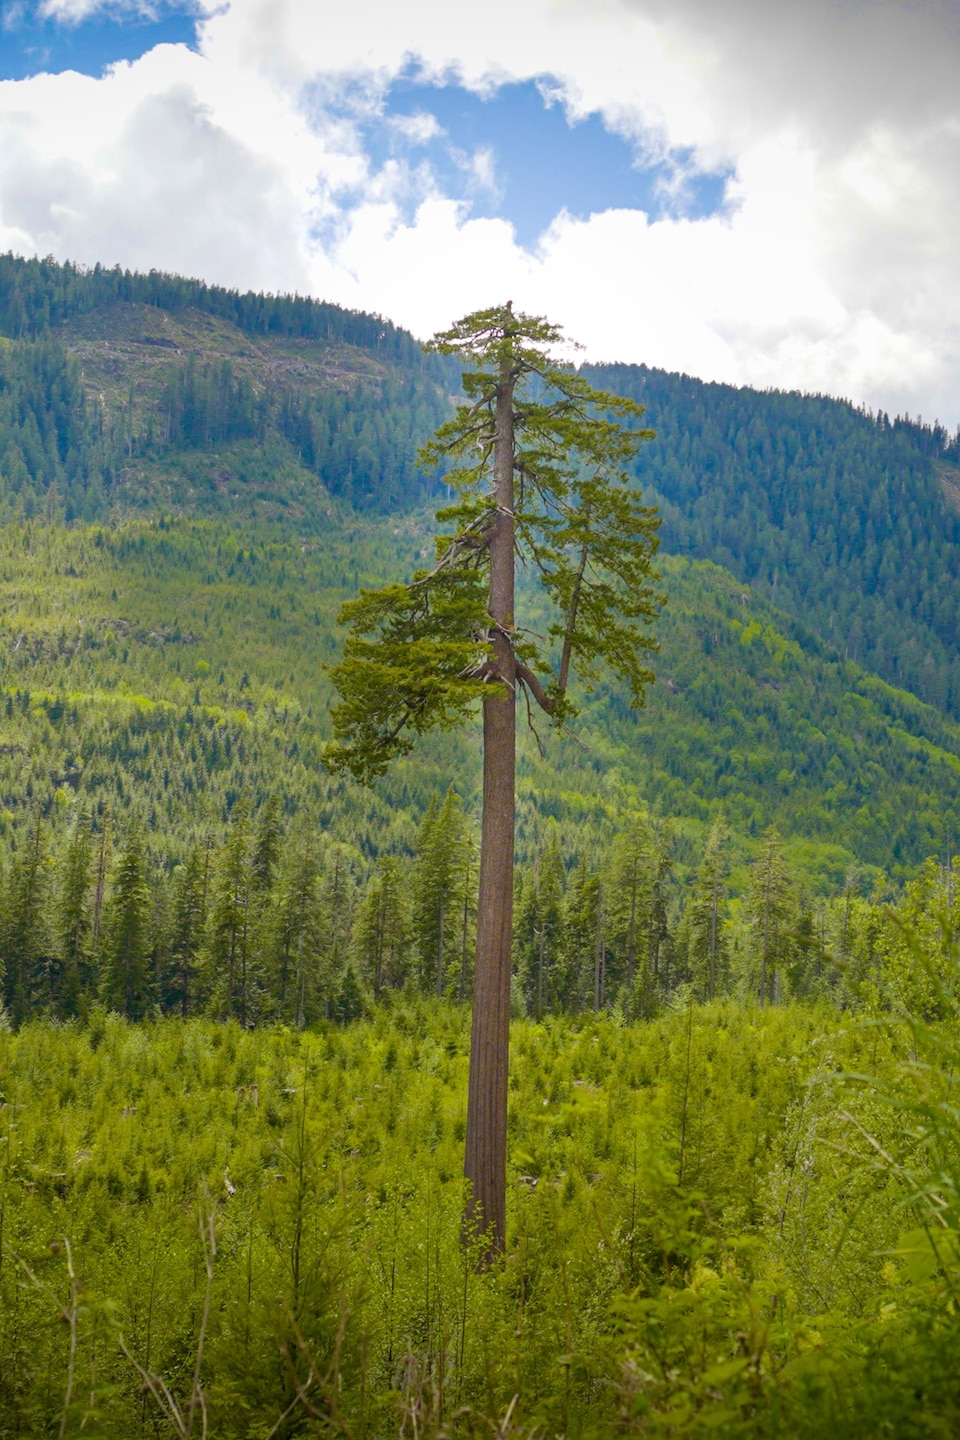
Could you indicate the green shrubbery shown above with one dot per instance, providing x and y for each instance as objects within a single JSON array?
[{"x": 713, "y": 1229}]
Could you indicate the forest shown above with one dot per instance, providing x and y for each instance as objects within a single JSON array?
[{"x": 236, "y": 985}]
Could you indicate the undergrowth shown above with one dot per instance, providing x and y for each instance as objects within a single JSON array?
[{"x": 713, "y": 1229}]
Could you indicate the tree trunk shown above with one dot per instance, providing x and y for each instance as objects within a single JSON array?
[{"x": 485, "y": 1160}]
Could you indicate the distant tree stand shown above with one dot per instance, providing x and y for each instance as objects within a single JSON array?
[{"x": 539, "y": 464}]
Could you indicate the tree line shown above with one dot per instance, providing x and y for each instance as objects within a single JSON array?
[
  {"x": 282, "y": 923},
  {"x": 38, "y": 295}
]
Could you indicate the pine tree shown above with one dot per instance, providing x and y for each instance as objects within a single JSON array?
[
  {"x": 75, "y": 920},
  {"x": 629, "y": 904},
  {"x": 301, "y": 983},
  {"x": 229, "y": 961},
  {"x": 658, "y": 929},
  {"x": 769, "y": 918},
  {"x": 438, "y": 890},
  {"x": 127, "y": 984},
  {"x": 540, "y": 928},
  {"x": 26, "y": 942},
  {"x": 582, "y": 923},
  {"x": 539, "y": 466},
  {"x": 190, "y": 890},
  {"x": 704, "y": 918},
  {"x": 382, "y": 930},
  {"x": 268, "y": 846}
]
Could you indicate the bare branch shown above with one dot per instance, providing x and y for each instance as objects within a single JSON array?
[{"x": 531, "y": 682}]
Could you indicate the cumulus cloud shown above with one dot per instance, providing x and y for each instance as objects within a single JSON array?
[{"x": 833, "y": 266}]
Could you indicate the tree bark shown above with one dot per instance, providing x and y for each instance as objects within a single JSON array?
[{"x": 485, "y": 1160}]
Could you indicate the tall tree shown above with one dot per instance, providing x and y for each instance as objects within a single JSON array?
[
  {"x": 127, "y": 979},
  {"x": 704, "y": 918},
  {"x": 300, "y": 982},
  {"x": 190, "y": 888},
  {"x": 228, "y": 941},
  {"x": 75, "y": 919},
  {"x": 769, "y": 917},
  {"x": 540, "y": 926},
  {"x": 26, "y": 941},
  {"x": 438, "y": 889},
  {"x": 538, "y": 460},
  {"x": 382, "y": 930},
  {"x": 629, "y": 905}
]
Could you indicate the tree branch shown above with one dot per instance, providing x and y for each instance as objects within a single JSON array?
[
  {"x": 571, "y": 624},
  {"x": 532, "y": 683}
]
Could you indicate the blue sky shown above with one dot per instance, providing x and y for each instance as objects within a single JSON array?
[
  {"x": 535, "y": 160},
  {"x": 30, "y": 44},
  {"x": 542, "y": 162},
  {"x": 757, "y": 193}
]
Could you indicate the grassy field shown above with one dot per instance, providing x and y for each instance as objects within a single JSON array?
[{"x": 713, "y": 1229}]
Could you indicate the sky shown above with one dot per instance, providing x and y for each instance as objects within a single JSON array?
[{"x": 754, "y": 191}]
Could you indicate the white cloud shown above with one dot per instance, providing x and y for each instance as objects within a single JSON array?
[{"x": 836, "y": 267}]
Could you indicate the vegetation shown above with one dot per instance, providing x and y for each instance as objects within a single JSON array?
[
  {"x": 711, "y": 1229},
  {"x": 538, "y": 469},
  {"x": 233, "y": 1042},
  {"x": 122, "y": 392},
  {"x": 847, "y": 520}
]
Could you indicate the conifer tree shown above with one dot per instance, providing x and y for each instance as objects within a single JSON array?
[
  {"x": 538, "y": 460},
  {"x": 540, "y": 927},
  {"x": 438, "y": 888},
  {"x": 338, "y": 900},
  {"x": 126, "y": 979},
  {"x": 229, "y": 962},
  {"x": 583, "y": 926},
  {"x": 300, "y": 981},
  {"x": 629, "y": 903},
  {"x": 658, "y": 930},
  {"x": 26, "y": 941},
  {"x": 769, "y": 916},
  {"x": 704, "y": 918},
  {"x": 75, "y": 920},
  {"x": 190, "y": 889},
  {"x": 382, "y": 930}
]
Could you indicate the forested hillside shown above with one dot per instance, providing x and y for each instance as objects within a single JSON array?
[
  {"x": 163, "y": 712},
  {"x": 847, "y": 520},
  {"x": 233, "y": 1029},
  {"x": 123, "y": 392},
  {"x": 161, "y": 669}
]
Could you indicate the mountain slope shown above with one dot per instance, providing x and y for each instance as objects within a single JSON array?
[
  {"x": 162, "y": 669},
  {"x": 847, "y": 520},
  {"x": 123, "y": 393}
]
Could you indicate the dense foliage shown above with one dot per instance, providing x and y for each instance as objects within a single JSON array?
[
  {"x": 40, "y": 295},
  {"x": 157, "y": 672},
  {"x": 233, "y": 1037},
  {"x": 712, "y": 1230},
  {"x": 845, "y": 519}
]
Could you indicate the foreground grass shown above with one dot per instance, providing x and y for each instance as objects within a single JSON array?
[{"x": 259, "y": 1232}]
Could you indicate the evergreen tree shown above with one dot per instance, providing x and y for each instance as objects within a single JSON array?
[
  {"x": 658, "y": 928},
  {"x": 438, "y": 891},
  {"x": 127, "y": 983},
  {"x": 229, "y": 958},
  {"x": 75, "y": 920},
  {"x": 27, "y": 949},
  {"x": 190, "y": 889},
  {"x": 769, "y": 912},
  {"x": 420, "y": 655},
  {"x": 629, "y": 905},
  {"x": 301, "y": 983},
  {"x": 705, "y": 916},
  {"x": 540, "y": 928},
  {"x": 382, "y": 930}
]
